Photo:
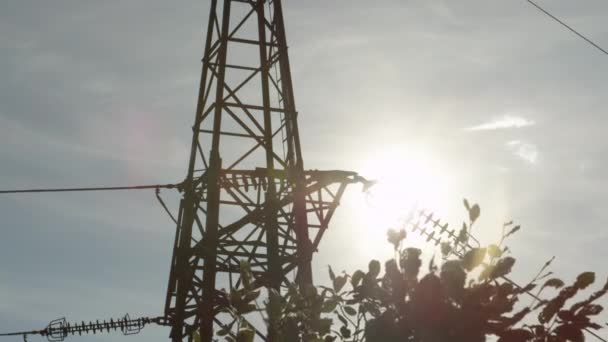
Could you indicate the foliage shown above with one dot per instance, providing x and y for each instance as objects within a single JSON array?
[{"x": 466, "y": 298}]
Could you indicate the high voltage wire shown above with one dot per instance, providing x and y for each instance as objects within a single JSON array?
[
  {"x": 567, "y": 26},
  {"x": 107, "y": 188}
]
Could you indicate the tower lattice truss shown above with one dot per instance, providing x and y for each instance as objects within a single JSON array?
[{"x": 246, "y": 196}]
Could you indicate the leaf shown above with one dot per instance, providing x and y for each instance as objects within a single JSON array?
[
  {"x": 345, "y": 332},
  {"x": 332, "y": 276},
  {"x": 474, "y": 212},
  {"x": 395, "y": 237},
  {"x": 355, "y": 279},
  {"x": 196, "y": 336},
  {"x": 569, "y": 332},
  {"x": 330, "y": 304},
  {"x": 466, "y": 204},
  {"x": 554, "y": 283},
  {"x": 432, "y": 266},
  {"x": 516, "y": 335},
  {"x": 245, "y": 334},
  {"x": 584, "y": 279},
  {"x": 322, "y": 325},
  {"x": 529, "y": 287},
  {"x": 553, "y": 306},
  {"x": 222, "y": 332},
  {"x": 339, "y": 283},
  {"x": 350, "y": 310},
  {"x": 473, "y": 258},
  {"x": 342, "y": 319},
  {"x": 274, "y": 307},
  {"x": 591, "y": 310},
  {"x": 513, "y": 231},
  {"x": 462, "y": 235},
  {"x": 251, "y": 296},
  {"x": 246, "y": 275},
  {"x": 374, "y": 268},
  {"x": 502, "y": 267},
  {"x": 247, "y": 308},
  {"x": 446, "y": 249},
  {"x": 494, "y": 251}
]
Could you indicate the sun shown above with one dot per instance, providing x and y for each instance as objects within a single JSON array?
[{"x": 406, "y": 181}]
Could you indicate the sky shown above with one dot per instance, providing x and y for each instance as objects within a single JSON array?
[{"x": 488, "y": 100}]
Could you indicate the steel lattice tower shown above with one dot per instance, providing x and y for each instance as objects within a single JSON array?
[{"x": 246, "y": 195}]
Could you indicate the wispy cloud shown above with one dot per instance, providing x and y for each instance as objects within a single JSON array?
[
  {"x": 505, "y": 122},
  {"x": 526, "y": 151}
]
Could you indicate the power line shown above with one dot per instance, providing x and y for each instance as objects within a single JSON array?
[
  {"x": 568, "y": 27},
  {"x": 108, "y": 188}
]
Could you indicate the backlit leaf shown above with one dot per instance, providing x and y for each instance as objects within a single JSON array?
[
  {"x": 494, "y": 251},
  {"x": 473, "y": 258}
]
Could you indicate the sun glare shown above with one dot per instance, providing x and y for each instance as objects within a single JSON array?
[{"x": 406, "y": 181}]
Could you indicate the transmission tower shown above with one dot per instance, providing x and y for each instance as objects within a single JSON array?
[{"x": 246, "y": 196}]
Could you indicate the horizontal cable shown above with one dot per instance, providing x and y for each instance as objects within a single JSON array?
[
  {"x": 567, "y": 26},
  {"x": 107, "y": 188}
]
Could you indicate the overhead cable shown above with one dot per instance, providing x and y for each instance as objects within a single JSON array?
[
  {"x": 567, "y": 26},
  {"x": 107, "y": 188}
]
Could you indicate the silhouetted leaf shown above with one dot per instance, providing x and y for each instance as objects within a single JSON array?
[
  {"x": 473, "y": 258},
  {"x": 553, "y": 306},
  {"x": 516, "y": 335},
  {"x": 223, "y": 332},
  {"x": 474, "y": 212},
  {"x": 553, "y": 282},
  {"x": 332, "y": 276},
  {"x": 513, "y": 231},
  {"x": 251, "y": 296},
  {"x": 529, "y": 287},
  {"x": 466, "y": 204},
  {"x": 591, "y": 310},
  {"x": 502, "y": 267},
  {"x": 569, "y": 332},
  {"x": 395, "y": 237},
  {"x": 432, "y": 266},
  {"x": 245, "y": 334},
  {"x": 462, "y": 235},
  {"x": 355, "y": 279},
  {"x": 274, "y": 306},
  {"x": 446, "y": 249},
  {"x": 339, "y": 283},
  {"x": 330, "y": 304},
  {"x": 345, "y": 332},
  {"x": 374, "y": 268},
  {"x": 321, "y": 325},
  {"x": 584, "y": 279},
  {"x": 246, "y": 275},
  {"x": 350, "y": 310},
  {"x": 453, "y": 278}
]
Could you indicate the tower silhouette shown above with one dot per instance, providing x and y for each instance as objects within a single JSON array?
[{"x": 246, "y": 196}]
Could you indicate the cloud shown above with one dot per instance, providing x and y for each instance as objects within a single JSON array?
[
  {"x": 526, "y": 151},
  {"x": 505, "y": 122}
]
